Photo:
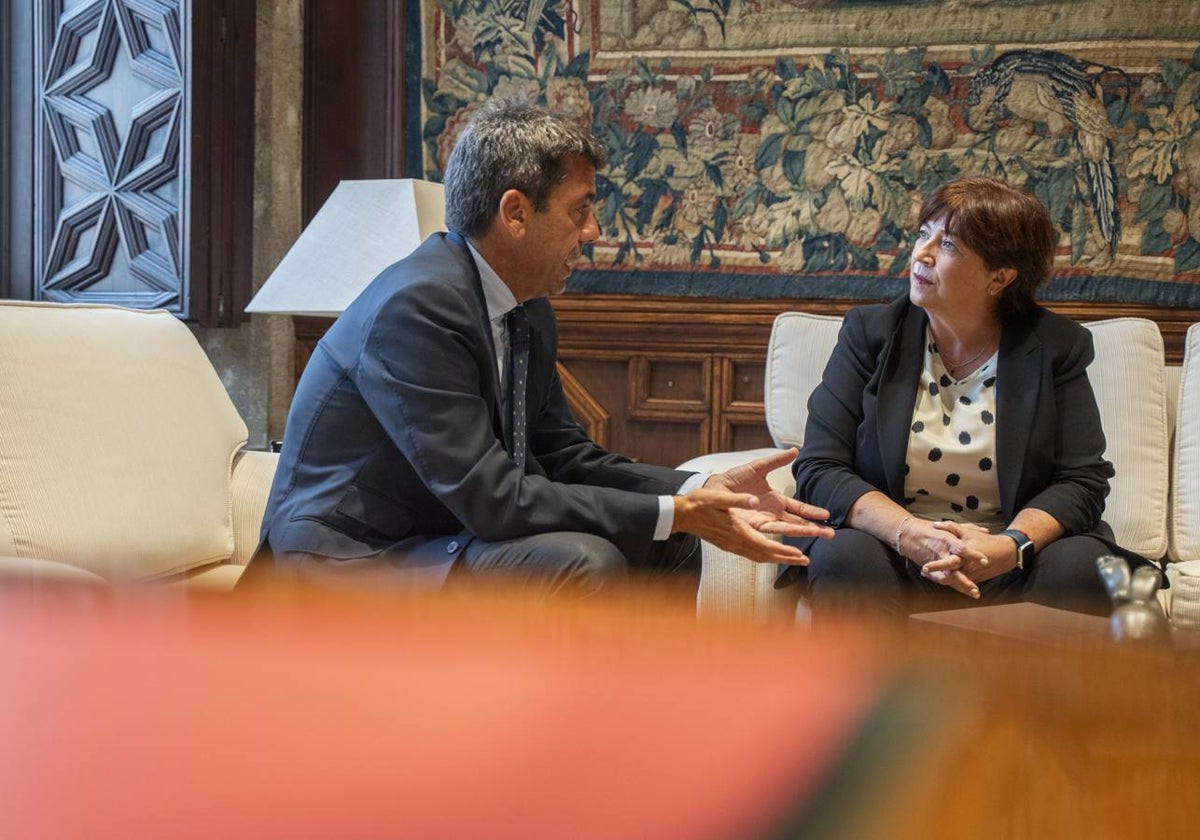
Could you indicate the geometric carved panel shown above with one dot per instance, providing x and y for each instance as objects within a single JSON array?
[{"x": 109, "y": 171}]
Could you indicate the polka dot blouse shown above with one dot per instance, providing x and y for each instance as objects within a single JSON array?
[{"x": 950, "y": 471}]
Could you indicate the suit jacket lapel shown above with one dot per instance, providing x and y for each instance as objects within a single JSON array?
[
  {"x": 486, "y": 325},
  {"x": 1018, "y": 375},
  {"x": 899, "y": 375}
]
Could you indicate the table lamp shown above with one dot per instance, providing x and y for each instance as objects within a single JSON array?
[{"x": 362, "y": 228}]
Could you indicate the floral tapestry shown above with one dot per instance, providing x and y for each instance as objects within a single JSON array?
[{"x": 781, "y": 148}]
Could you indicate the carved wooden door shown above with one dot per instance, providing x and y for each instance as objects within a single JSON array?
[{"x": 108, "y": 172}]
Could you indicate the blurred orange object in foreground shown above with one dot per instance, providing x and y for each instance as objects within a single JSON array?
[{"x": 461, "y": 717}]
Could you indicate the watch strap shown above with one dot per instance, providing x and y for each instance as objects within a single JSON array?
[{"x": 1025, "y": 546}]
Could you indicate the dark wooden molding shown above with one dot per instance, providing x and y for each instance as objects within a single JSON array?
[
  {"x": 7, "y": 160},
  {"x": 395, "y": 100},
  {"x": 354, "y": 102},
  {"x": 222, "y": 167},
  {"x": 588, "y": 410},
  {"x": 17, "y": 212}
]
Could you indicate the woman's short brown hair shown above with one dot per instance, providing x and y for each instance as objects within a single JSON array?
[{"x": 1006, "y": 226}]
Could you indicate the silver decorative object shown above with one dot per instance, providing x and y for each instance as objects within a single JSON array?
[
  {"x": 1136, "y": 612},
  {"x": 1114, "y": 571}
]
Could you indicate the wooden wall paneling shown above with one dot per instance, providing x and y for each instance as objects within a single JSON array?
[
  {"x": 635, "y": 323},
  {"x": 670, "y": 386},
  {"x": 641, "y": 424},
  {"x": 670, "y": 405},
  {"x": 732, "y": 325},
  {"x": 672, "y": 344},
  {"x": 307, "y": 332},
  {"x": 590, "y": 413},
  {"x": 739, "y": 418}
]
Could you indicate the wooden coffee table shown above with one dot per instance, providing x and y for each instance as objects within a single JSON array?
[
  {"x": 1067, "y": 732},
  {"x": 1022, "y": 622},
  {"x": 1026, "y": 622}
]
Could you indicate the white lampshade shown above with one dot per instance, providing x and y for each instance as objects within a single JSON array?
[{"x": 362, "y": 228}]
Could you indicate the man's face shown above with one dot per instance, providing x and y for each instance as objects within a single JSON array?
[{"x": 555, "y": 234}]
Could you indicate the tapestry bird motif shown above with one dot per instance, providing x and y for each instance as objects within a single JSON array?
[{"x": 1062, "y": 93}]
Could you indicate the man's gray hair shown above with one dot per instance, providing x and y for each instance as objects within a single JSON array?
[{"x": 510, "y": 145}]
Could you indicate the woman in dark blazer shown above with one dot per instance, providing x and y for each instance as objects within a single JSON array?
[{"x": 955, "y": 438}]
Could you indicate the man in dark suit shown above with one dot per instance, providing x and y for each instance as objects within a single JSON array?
[{"x": 429, "y": 439}]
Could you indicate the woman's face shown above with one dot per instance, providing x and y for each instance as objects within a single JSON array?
[{"x": 948, "y": 277}]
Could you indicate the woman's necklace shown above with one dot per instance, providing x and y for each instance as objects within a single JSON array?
[{"x": 951, "y": 367}]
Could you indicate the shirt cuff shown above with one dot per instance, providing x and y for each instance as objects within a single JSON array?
[{"x": 666, "y": 505}]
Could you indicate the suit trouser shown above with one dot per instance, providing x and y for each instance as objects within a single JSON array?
[
  {"x": 543, "y": 565},
  {"x": 856, "y": 573},
  {"x": 578, "y": 564}
]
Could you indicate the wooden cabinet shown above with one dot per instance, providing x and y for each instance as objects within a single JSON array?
[
  {"x": 661, "y": 406},
  {"x": 664, "y": 380}
]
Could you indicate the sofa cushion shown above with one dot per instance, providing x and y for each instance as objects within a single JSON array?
[
  {"x": 1129, "y": 382},
  {"x": 800, "y": 346},
  {"x": 1185, "y": 494},
  {"x": 116, "y": 441}
]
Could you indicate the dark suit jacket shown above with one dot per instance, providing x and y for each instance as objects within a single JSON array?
[
  {"x": 1049, "y": 441},
  {"x": 394, "y": 440}
]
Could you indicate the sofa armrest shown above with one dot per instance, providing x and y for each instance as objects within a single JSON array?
[
  {"x": 732, "y": 586},
  {"x": 252, "y": 476},
  {"x": 31, "y": 571}
]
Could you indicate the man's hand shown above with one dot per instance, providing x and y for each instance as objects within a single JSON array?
[
  {"x": 752, "y": 477},
  {"x": 722, "y": 519},
  {"x": 774, "y": 512}
]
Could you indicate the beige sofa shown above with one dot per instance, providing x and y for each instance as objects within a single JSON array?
[
  {"x": 121, "y": 454},
  {"x": 1149, "y": 411}
]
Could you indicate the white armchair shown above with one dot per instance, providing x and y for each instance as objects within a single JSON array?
[
  {"x": 121, "y": 453},
  {"x": 800, "y": 344},
  {"x": 1131, "y": 387},
  {"x": 1184, "y": 548}
]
